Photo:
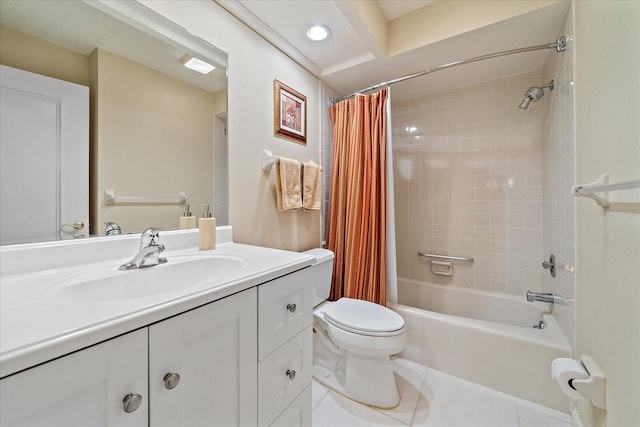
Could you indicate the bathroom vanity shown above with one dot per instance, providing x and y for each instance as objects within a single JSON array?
[{"x": 220, "y": 337}]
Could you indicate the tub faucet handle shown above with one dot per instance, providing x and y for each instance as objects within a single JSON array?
[{"x": 551, "y": 265}]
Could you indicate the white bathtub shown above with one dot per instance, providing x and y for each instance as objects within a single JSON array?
[{"x": 484, "y": 337}]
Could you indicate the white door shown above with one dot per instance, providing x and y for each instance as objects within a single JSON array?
[
  {"x": 213, "y": 350},
  {"x": 83, "y": 389},
  {"x": 44, "y": 155}
]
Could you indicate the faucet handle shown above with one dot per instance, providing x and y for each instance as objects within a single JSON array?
[
  {"x": 112, "y": 229},
  {"x": 150, "y": 237}
]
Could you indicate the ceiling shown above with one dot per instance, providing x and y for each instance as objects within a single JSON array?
[
  {"x": 372, "y": 42},
  {"x": 396, "y": 8}
]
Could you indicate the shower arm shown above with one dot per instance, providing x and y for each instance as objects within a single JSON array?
[
  {"x": 560, "y": 45},
  {"x": 549, "y": 85}
]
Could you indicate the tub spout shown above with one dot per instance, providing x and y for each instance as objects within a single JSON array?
[
  {"x": 550, "y": 298},
  {"x": 537, "y": 296}
]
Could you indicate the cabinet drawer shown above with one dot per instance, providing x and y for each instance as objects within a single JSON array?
[
  {"x": 285, "y": 307},
  {"x": 283, "y": 374},
  {"x": 298, "y": 414}
]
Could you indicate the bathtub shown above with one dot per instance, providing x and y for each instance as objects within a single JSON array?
[{"x": 483, "y": 337}]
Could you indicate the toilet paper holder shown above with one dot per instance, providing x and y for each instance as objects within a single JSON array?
[{"x": 592, "y": 387}]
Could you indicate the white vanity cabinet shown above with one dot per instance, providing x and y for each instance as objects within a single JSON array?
[
  {"x": 285, "y": 316},
  {"x": 194, "y": 369},
  {"x": 209, "y": 366},
  {"x": 86, "y": 388},
  {"x": 202, "y": 367}
]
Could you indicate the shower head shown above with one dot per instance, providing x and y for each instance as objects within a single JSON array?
[
  {"x": 533, "y": 94},
  {"x": 525, "y": 103}
]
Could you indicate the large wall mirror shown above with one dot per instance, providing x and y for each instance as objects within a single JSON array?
[{"x": 157, "y": 130}]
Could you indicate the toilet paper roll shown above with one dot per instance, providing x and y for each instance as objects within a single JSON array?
[{"x": 564, "y": 370}]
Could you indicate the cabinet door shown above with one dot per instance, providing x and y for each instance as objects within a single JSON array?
[
  {"x": 298, "y": 414},
  {"x": 85, "y": 388},
  {"x": 213, "y": 350}
]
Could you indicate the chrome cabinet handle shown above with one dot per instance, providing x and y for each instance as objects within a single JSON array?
[
  {"x": 291, "y": 374},
  {"x": 291, "y": 308},
  {"x": 171, "y": 380},
  {"x": 131, "y": 402}
]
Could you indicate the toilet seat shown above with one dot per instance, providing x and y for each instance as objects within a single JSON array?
[{"x": 364, "y": 318}]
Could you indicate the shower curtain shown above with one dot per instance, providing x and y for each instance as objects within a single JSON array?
[{"x": 358, "y": 200}]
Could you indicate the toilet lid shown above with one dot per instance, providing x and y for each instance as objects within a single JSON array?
[{"x": 363, "y": 317}]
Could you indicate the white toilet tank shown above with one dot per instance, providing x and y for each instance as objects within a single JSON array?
[{"x": 322, "y": 270}]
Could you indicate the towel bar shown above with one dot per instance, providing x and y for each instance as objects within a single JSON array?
[
  {"x": 595, "y": 190},
  {"x": 269, "y": 159},
  {"x": 110, "y": 199}
]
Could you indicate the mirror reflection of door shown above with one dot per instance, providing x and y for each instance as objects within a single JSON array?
[{"x": 44, "y": 156}]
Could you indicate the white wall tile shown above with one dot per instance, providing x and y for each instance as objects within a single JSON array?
[
  {"x": 480, "y": 182},
  {"x": 558, "y": 175}
]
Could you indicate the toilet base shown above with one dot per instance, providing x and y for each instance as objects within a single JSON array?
[
  {"x": 367, "y": 380},
  {"x": 328, "y": 379}
]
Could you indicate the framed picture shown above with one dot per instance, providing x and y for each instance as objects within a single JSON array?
[{"x": 290, "y": 113}]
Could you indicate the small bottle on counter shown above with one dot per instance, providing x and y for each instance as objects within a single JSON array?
[
  {"x": 187, "y": 220},
  {"x": 207, "y": 230}
]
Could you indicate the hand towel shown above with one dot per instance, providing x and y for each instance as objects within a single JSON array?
[
  {"x": 311, "y": 186},
  {"x": 288, "y": 191}
]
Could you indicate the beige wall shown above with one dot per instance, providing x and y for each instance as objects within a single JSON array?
[
  {"x": 20, "y": 50},
  {"x": 154, "y": 139},
  {"x": 253, "y": 65},
  {"x": 607, "y": 108}
]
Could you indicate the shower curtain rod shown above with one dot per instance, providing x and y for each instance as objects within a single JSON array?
[{"x": 560, "y": 45}]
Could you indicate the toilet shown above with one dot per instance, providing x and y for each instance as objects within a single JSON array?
[{"x": 353, "y": 341}]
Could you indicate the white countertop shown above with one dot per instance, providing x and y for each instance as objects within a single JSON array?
[{"x": 35, "y": 328}]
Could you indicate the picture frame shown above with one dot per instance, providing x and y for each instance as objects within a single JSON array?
[{"x": 290, "y": 113}]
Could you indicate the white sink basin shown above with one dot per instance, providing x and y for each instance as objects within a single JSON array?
[{"x": 180, "y": 273}]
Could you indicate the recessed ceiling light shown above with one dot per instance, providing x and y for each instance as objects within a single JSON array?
[
  {"x": 318, "y": 32},
  {"x": 196, "y": 64}
]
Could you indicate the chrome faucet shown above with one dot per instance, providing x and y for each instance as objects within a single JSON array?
[
  {"x": 537, "y": 296},
  {"x": 112, "y": 229},
  {"x": 550, "y": 298},
  {"x": 149, "y": 253},
  {"x": 551, "y": 265}
]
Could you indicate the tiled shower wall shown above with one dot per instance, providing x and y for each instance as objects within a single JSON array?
[
  {"x": 559, "y": 176},
  {"x": 326, "y": 93},
  {"x": 468, "y": 167}
]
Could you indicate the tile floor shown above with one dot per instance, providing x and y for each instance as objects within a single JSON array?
[{"x": 432, "y": 398}]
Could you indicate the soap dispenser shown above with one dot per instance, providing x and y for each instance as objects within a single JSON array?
[
  {"x": 187, "y": 220},
  {"x": 207, "y": 230}
]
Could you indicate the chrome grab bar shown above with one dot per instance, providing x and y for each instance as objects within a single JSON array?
[{"x": 447, "y": 257}]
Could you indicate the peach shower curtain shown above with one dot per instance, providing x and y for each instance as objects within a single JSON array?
[{"x": 356, "y": 229}]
